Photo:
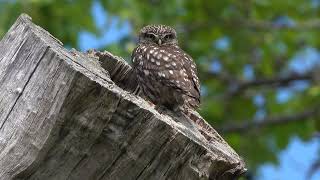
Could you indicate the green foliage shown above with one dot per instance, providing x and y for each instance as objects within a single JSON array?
[{"x": 253, "y": 39}]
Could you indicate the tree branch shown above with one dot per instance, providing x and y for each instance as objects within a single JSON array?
[
  {"x": 239, "y": 86},
  {"x": 270, "y": 82},
  {"x": 283, "y": 81},
  {"x": 315, "y": 166},
  {"x": 312, "y": 24},
  {"x": 262, "y": 25},
  {"x": 269, "y": 121}
]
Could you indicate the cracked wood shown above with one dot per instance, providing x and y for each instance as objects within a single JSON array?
[{"x": 63, "y": 116}]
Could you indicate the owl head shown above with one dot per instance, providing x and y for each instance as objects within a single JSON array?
[{"x": 158, "y": 35}]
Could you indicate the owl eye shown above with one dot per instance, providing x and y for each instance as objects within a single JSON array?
[
  {"x": 150, "y": 36},
  {"x": 168, "y": 36}
]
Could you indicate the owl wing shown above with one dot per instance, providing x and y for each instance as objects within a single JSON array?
[
  {"x": 191, "y": 71},
  {"x": 177, "y": 69},
  {"x": 170, "y": 66}
]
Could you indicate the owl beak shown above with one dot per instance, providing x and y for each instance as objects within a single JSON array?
[{"x": 159, "y": 41}]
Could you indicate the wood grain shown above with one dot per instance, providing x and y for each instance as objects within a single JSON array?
[{"x": 63, "y": 116}]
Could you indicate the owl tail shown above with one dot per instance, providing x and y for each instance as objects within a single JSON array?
[{"x": 203, "y": 126}]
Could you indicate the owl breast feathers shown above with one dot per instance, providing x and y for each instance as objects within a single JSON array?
[{"x": 167, "y": 75}]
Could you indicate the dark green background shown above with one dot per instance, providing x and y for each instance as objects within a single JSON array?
[{"x": 262, "y": 37}]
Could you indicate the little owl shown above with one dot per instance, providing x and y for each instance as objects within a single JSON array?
[{"x": 166, "y": 74}]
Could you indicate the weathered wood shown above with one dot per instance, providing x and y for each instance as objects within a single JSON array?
[{"x": 62, "y": 117}]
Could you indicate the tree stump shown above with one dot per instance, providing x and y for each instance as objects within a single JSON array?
[{"x": 63, "y": 116}]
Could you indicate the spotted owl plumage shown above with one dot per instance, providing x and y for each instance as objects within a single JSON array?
[{"x": 166, "y": 74}]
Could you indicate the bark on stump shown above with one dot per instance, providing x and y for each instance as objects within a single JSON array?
[{"x": 62, "y": 116}]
